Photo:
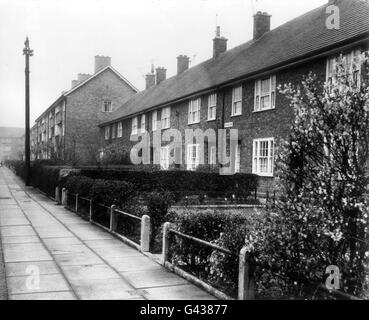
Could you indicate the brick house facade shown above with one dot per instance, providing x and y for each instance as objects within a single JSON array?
[
  {"x": 272, "y": 58},
  {"x": 68, "y": 129}
]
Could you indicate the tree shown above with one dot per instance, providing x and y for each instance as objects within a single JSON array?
[{"x": 321, "y": 217}]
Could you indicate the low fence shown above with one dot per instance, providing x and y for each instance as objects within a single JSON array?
[
  {"x": 245, "y": 287},
  {"x": 131, "y": 229}
]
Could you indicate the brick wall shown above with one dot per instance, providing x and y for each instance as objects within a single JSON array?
[{"x": 84, "y": 113}]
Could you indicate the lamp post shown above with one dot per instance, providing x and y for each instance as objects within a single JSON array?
[{"x": 28, "y": 53}]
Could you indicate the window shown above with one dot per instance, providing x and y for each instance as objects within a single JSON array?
[
  {"x": 192, "y": 156},
  {"x": 143, "y": 123},
  {"x": 154, "y": 120},
  {"x": 107, "y": 133},
  {"x": 352, "y": 66},
  {"x": 113, "y": 128},
  {"x": 194, "y": 111},
  {"x": 212, "y": 107},
  {"x": 263, "y": 157},
  {"x": 237, "y": 159},
  {"x": 213, "y": 155},
  {"x": 120, "y": 130},
  {"x": 164, "y": 158},
  {"x": 265, "y": 93},
  {"x": 134, "y": 125},
  {"x": 165, "y": 118},
  {"x": 107, "y": 106},
  {"x": 237, "y": 101}
]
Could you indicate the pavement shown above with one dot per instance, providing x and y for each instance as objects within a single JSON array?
[{"x": 49, "y": 253}]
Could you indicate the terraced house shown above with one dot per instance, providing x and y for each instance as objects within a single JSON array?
[
  {"x": 68, "y": 129},
  {"x": 237, "y": 88}
]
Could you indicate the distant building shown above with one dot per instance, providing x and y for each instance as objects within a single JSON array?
[
  {"x": 11, "y": 143},
  {"x": 237, "y": 89},
  {"x": 68, "y": 129}
]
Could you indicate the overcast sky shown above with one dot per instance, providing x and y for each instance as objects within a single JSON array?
[{"x": 66, "y": 35}]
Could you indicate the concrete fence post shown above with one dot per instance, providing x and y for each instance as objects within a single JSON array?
[
  {"x": 90, "y": 210},
  {"x": 165, "y": 241},
  {"x": 64, "y": 197},
  {"x": 113, "y": 221},
  {"x": 145, "y": 233},
  {"x": 76, "y": 202},
  {"x": 57, "y": 195},
  {"x": 246, "y": 281}
]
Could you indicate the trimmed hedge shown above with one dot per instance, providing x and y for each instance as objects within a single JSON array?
[{"x": 182, "y": 183}]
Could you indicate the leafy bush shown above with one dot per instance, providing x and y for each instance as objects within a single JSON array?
[
  {"x": 79, "y": 184},
  {"x": 158, "y": 205},
  {"x": 113, "y": 192}
]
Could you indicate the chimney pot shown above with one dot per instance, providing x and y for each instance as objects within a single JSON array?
[
  {"x": 102, "y": 62},
  {"x": 261, "y": 24},
  {"x": 183, "y": 62},
  {"x": 161, "y": 74}
]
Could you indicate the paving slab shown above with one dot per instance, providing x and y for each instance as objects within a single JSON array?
[
  {"x": 61, "y": 295},
  {"x": 14, "y": 269}
]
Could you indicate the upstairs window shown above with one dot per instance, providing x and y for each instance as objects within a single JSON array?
[
  {"x": 194, "y": 111},
  {"x": 263, "y": 157},
  {"x": 120, "y": 130},
  {"x": 107, "y": 133},
  {"x": 165, "y": 118},
  {"x": 265, "y": 93},
  {"x": 143, "y": 123},
  {"x": 237, "y": 101},
  {"x": 154, "y": 120},
  {"x": 134, "y": 125},
  {"x": 107, "y": 106},
  {"x": 352, "y": 66},
  {"x": 212, "y": 106}
]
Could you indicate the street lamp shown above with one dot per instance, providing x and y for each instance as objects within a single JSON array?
[{"x": 28, "y": 53}]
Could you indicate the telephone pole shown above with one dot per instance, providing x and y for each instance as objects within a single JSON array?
[{"x": 28, "y": 53}]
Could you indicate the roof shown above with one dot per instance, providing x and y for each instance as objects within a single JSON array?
[
  {"x": 11, "y": 132},
  {"x": 65, "y": 94},
  {"x": 294, "y": 40}
]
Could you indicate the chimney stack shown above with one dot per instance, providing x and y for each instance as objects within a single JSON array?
[
  {"x": 219, "y": 44},
  {"x": 261, "y": 24},
  {"x": 161, "y": 75},
  {"x": 83, "y": 76},
  {"x": 101, "y": 62},
  {"x": 183, "y": 63},
  {"x": 150, "y": 80},
  {"x": 74, "y": 83}
]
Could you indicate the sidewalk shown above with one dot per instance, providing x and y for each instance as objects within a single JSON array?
[{"x": 74, "y": 259}]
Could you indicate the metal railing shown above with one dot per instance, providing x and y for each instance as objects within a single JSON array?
[
  {"x": 245, "y": 285},
  {"x": 110, "y": 218}
]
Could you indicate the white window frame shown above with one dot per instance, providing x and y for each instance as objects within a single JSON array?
[
  {"x": 331, "y": 78},
  {"x": 134, "y": 125},
  {"x": 143, "y": 123},
  {"x": 165, "y": 118},
  {"x": 154, "y": 118},
  {"x": 194, "y": 108},
  {"x": 236, "y": 101},
  {"x": 257, "y": 157},
  {"x": 107, "y": 132},
  {"x": 120, "y": 129},
  {"x": 212, "y": 107},
  {"x": 270, "y": 95},
  {"x": 192, "y": 161},
  {"x": 164, "y": 158},
  {"x": 107, "y": 106}
]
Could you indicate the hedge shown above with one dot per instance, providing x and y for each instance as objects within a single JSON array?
[{"x": 182, "y": 183}]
